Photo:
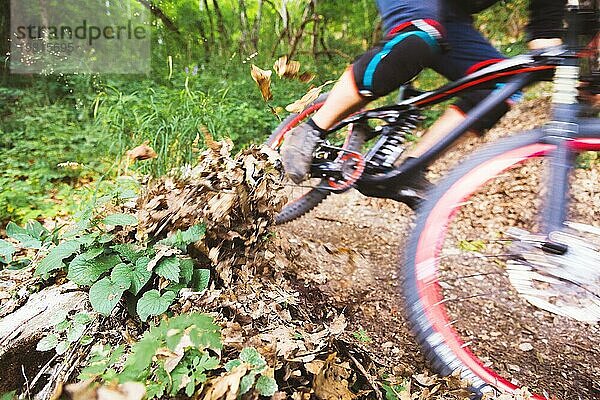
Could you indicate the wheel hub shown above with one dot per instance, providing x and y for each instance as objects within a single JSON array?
[{"x": 566, "y": 282}]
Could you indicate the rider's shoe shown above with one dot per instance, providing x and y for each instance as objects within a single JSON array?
[{"x": 297, "y": 151}]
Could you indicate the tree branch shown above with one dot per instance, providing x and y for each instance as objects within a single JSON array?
[{"x": 158, "y": 13}]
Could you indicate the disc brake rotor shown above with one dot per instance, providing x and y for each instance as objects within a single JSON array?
[{"x": 566, "y": 283}]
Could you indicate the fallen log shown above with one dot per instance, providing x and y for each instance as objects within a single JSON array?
[{"x": 21, "y": 364}]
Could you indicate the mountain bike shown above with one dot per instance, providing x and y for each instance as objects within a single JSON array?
[{"x": 503, "y": 264}]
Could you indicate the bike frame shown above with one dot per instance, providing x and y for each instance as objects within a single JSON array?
[{"x": 563, "y": 131}]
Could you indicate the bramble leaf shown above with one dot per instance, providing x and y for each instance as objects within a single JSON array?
[
  {"x": 47, "y": 343},
  {"x": 169, "y": 269},
  {"x": 104, "y": 295},
  {"x": 266, "y": 386},
  {"x": 186, "y": 270},
  {"x": 140, "y": 275},
  {"x": 251, "y": 356},
  {"x": 128, "y": 252},
  {"x": 82, "y": 318},
  {"x": 201, "y": 279},
  {"x": 85, "y": 271},
  {"x": 54, "y": 259},
  {"x": 62, "y": 347},
  {"x": 152, "y": 303},
  {"x": 75, "y": 333},
  {"x": 122, "y": 275},
  {"x": 6, "y": 251},
  {"x": 120, "y": 219},
  {"x": 24, "y": 236}
]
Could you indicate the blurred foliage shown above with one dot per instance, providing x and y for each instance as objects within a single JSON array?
[{"x": 201, "y": 56}]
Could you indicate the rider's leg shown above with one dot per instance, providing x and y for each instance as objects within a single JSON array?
[
  {"x": 342, "y": 101},
  {"x": 376, "y": 73},
  {"x": 468, "y": 52}
]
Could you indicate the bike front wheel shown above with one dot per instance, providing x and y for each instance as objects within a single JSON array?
[{"x": 478, "y": 294}]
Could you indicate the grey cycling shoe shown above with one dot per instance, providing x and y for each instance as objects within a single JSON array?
[{"x": 297, "y": 151}]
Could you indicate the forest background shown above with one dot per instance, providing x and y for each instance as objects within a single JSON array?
[{"x": 64, "y": 138}]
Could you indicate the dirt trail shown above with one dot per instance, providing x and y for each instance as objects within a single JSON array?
[{"x": 350, "y": 249}]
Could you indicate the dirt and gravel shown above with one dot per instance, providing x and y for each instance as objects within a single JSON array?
[{"x": 349, "y": 250}]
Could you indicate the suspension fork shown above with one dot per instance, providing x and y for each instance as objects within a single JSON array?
[{"x": 563, "y": 127}]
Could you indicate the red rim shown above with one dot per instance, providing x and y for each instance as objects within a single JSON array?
[
  {"x": 431, "y": 241},
  {"x": 279, "y": 138}
]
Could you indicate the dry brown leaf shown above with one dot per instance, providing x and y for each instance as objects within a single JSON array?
[
  {"x": 209, "y": 141},
  {"x": 263, "y": 80},
  {"x": 314, "y": 367},
  {"x": 286, "y": 69},
  {"x": 308, "y": 98},
  {"x": 124, "y": 391},
  {"x": 307, "y": 77},
  {"x": 89, "y": 390},
  {"x": 332, "y": 381},
  {"x": 425, "y": 380},
  {"x": 280, "y": 66},
  {"x": 338, "y": 325},
  {"x": 227, "y": 385},
  {"x": 142, "y": 152}
]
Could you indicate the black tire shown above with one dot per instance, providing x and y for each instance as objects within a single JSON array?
[{"x": 299, "y": 206}]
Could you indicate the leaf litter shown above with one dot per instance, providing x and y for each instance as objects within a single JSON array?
[{"x": 255, "y": 293}]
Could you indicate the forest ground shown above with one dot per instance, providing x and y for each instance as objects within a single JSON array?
[{"x": 350, "y": 249}]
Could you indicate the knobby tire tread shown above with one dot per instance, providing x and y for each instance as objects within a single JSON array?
[
  {"x": 315, "y": 196},
  {"x": 420, "y": 324}
]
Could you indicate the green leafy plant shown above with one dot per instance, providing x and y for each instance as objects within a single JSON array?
[
  {"x": 67, "y": 331},
  {"x": 92, "y": 256},
  {"x": 258, "y": 375},
  {"x": 362, "y": 336},
  {"x": 175, "y": 356},
  {"x": 393, "y": 390}
]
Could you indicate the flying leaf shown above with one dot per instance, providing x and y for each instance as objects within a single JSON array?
[
  {"x": 141, "y": 152},
  {"x": 263, "y": 80},
  {"x": 285, "y": 68},
  {"x": 308, "y": 98},
  {"x": 307, "y": 77}
]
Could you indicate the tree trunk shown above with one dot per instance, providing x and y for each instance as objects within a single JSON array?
[
  {"x": 308, "y": 17},
  {"x": 315, "y": 31},
  {"x": 255, "y": 37},
  {"x": 244, "y": 27},
  {"x": 4, "y": 39},
  {"x": 158, "y": 13},
  {"x": 210, "y": 23},
  {"x": 223, "y": 36}
]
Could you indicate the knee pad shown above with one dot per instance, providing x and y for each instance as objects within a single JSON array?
[
  {"x": 467, "y": 102},
  {"x": 397, "y": 60}
]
